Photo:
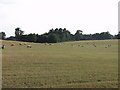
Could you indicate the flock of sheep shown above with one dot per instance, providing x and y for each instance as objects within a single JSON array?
[
  {"x": 89, "y": 44},
  {"x": 28, "y": 46}
]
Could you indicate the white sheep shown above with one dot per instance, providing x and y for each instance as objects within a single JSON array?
[
  {"x": 20, "y": 43},
  {"x": 29, "y": 46},
  {"x": 25, "y": 43},
  {"x": 12, "y": 44},
  {"x": 3, "y": 47}
]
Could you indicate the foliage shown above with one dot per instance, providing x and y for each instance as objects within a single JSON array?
[
  {"x": 18, "y": 33},
  {"x": 2, "y": 35},
  {"x": 60, "y": 35},
  {"x": 117, "y": 36},
  {"x": 11, "y": 38}
]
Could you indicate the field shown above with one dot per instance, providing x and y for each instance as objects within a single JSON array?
[{"x": 80, "y": 64}]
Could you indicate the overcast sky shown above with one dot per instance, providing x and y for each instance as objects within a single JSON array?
[{"x": 38, "y": 16}]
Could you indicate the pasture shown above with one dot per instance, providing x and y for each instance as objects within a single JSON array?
[{"x": 76, "y": 64}]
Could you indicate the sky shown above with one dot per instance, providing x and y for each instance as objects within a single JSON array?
[{"x": 39, "y": 16}]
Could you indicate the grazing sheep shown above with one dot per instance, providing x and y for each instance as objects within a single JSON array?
[
  {"x": 73, "y": 45},
  {"x": 49, "y": 44},
  {"x": 82, "y": 46},
  {"x": 52, "y": 44},
  {"x": 46, "y": 44},
  {"x": 94, "y": 45},
  {"x": 109, "y": 45},
  {"x": 25, "y": 43},
  {"x": 20, "y": 43},
  {"x": 12, "y": 44},
  {"x": 29, "y": 46},
  {"x": 3, "y": 47}
]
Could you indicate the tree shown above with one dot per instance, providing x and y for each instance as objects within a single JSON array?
[
  {"x": 117, "y": 36},
  {"x": 31, "y": 37},
  {"x": 21, "y": 32},
  {"x": 60, "y": 35},
  {"x": 51, "y": 30},
  {"x": 42, "y": 38},
  {"x": 96, "y": 36},
  {"x": 11, "y": 38},
  {"x": 106, "y": 35},
  {"x": 2, "y": 35},
  {"x": 79, "y": 32},
  {"x": 18, "y": 33},
  {"x": 78, "y": 35},
  {"x": 56, "y": 30},
  {"x": 52, "y": 38}
]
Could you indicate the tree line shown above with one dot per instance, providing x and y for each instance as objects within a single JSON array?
[{"x": 57, "y": 35}]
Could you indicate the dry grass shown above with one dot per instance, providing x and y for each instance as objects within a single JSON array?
[{"x": 62, "y": 65}]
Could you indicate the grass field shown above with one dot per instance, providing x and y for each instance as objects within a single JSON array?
[{"x": 61, "y": 65}]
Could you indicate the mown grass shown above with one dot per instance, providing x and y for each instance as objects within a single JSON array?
[{"x": 62, "y": 65}]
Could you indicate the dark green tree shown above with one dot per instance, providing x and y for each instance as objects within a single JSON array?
[
  {"x": 31, "y": 37},
  {"x": 2, "y": 35},
  {"x": 78, "y": 35},
  {"x": 106, "y": 35},
  {"x": 52, "y": 38},
  {"x": 117, "y": 36},
  {"x": 18, "y": 33},
  {"x": 11, "y": 38}
]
